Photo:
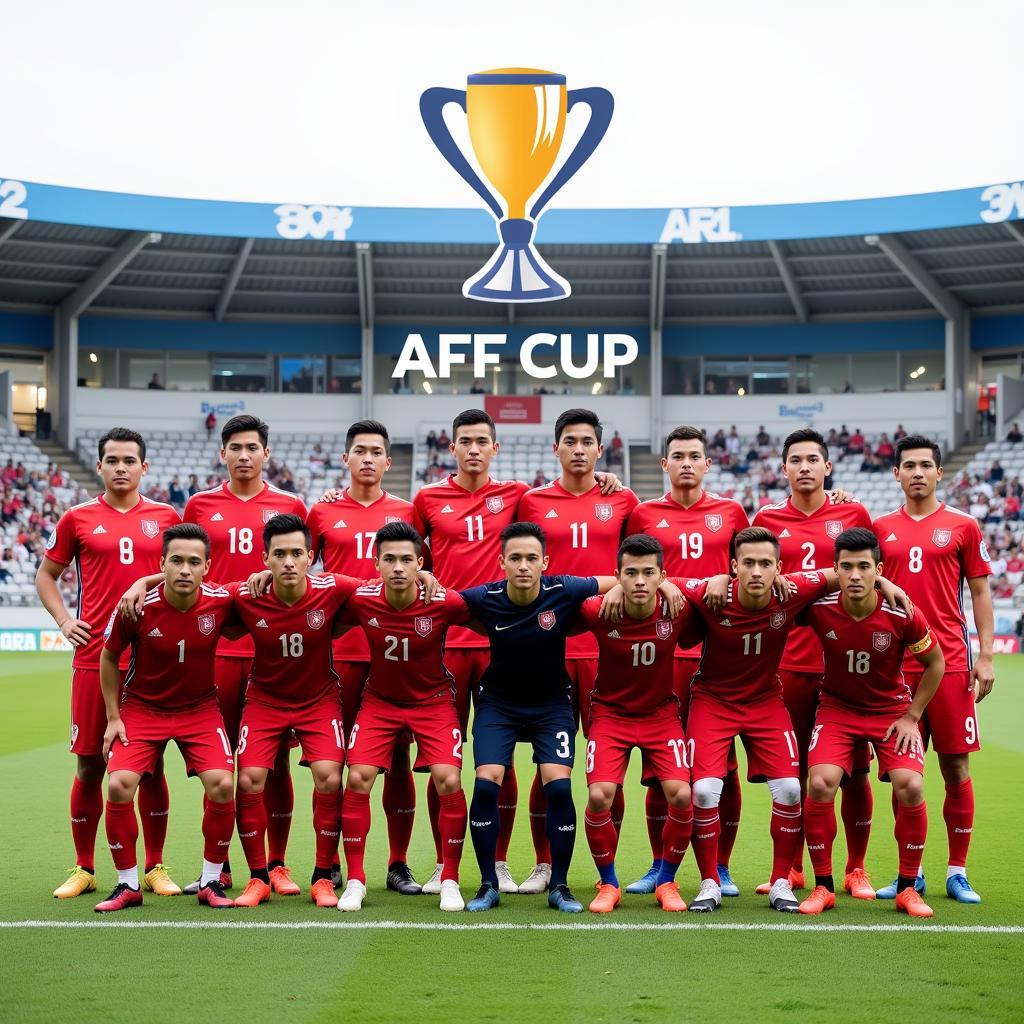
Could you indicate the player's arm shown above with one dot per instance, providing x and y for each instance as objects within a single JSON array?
[
  {"x": 608, "y": 482},
  {"x": 983, "y": 675},
  {"x": 75, "y": 630},
  {"x": 908, "y": 736},
  {"x": 134, "y": 598},
  {"x": 110, "y": 684}
]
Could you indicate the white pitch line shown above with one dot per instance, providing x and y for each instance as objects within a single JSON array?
[{"x": 510, "y": 926}]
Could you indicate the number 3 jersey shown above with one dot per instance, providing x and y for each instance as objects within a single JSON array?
[
  {"x": 111, "y": 550},
  {"x": 293, "y": 666}
]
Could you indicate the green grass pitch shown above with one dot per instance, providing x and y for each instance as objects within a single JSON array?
[{"x": 863, "y": 962}]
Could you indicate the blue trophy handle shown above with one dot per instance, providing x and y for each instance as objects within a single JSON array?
[
  {"x": 432, "y": 104},
  {"x": 601, "y": 106}
]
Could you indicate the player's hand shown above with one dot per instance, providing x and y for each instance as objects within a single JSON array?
[
  {"x": 983, "y": 677},
  {"x": 674, "y": 596},
  {"x": 259, "y": 582},
  {"x": 76, "y": 631},
  {"x": 114, "y": 731},
  {"x": 908, "y": 736},
  {"x": 716, "y": 591},
  {"x": 894, "y": 596},
  {"x": 332, "y": 494},
  {"x": 428, "y": 581},
  {"x": 132, "y": 601},
  {"x": 783, "y": 589},
  {"x": 841, "y": 497},
  {"x": 608, "y": 482},
  {"x": 613, "y": 603}
]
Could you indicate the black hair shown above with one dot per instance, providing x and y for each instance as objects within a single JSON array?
[
  {"x": 577, "y": 416},
  {"x": 399, "y": 531},
  {"x": 514, "y": 530},
  {"x": 242, "y": 424},
  {"x": 687, "y": 434},
  {"x": 186, "y": 531},
  {"x": 470, "y": 418},
  {"x": 801, "y": 435},
  {"x": 914, "y": 441},
  {"x": 122, "y": 434},
  {"x": 755, "y": 535},
  {"x": 641, "y": 544},
  {"x": 368, "y": 427},
  {"x": 859, "y": 538},
  {"x": 286, "y": 522}
]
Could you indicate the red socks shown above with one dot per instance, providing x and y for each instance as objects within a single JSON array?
[
  {"x": 675, "y": 837},
  {"x": 327, "y": 827},
  {"x": 252, "y": 828},
  {"x": 538, "y": 821},
  {"x": 508, "y": 801},
  {"x": 218, "y": 824},
  {"x": 122, "y": 834},
  {"x": 706, "y": 829},
  {"x": 154, "y": 807},
  {"x": 434, "y": 813},
  {"x": 355, "y": 824},
  {"x": 787, "y": 838},
  {"x": 618, "y": 808},
  {"x": 399, "y": 806},
  {"x": 820, "y": 829},
  {"x": 453, "y": 832},
  {"x": 856, "y": 808},
  {"x": 86, "y": 808},
  {"x": 729, "y": 812},
  {"x": 656, "y": 810},
  {"x": 958, "y": 812},
  {"x": 910, "y": 831},
  {"x": 602, "y": 836},
  {"x": 279, "y": 799}
]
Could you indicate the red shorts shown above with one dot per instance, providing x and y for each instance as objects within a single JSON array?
[
  {"x": 88, "y": 712},
  {"x": 199, "y": 732},
  {"x": 583, "y": 673},
  {"x": 658, "y": 736},
  {"x": 319, "y": 728},
  {"x": 800, "y": 692},
  {"x": 467, "y": 665},
  {"x": 231, "y": 677},
  {"x": 353, "y": 676},
  {"x": 765, "y": 728},
  {"x": 380, "y": 725},
  {"x": 683, "y": 671},
  {"x": 839, "y": 732},
  {"x": 950, "y": 721}
]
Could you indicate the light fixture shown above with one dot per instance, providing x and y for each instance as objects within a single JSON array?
[
  {"x": 93, "y": 358},
  {"x": 596, "y": 389},
  {"x": 41, "y": 397},
  {"x": 426, "y": 387},
  {"x": 741, "y": 392},
  {"x": 920, "y": 370},
  {"x": 914, "y": 374}
]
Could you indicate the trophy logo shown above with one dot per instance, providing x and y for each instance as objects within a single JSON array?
[{"x": 516, "y": 119}]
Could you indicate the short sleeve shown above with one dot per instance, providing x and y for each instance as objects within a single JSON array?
[
  {"x": 419, "y": 518},
  {"x": 916, "y": 634},
  {"x": 863, "y": 517},
  {"x": 810, "y": 586},
  {"x": 740, "y": 521},
  {"x": 457, "y": 612},
  {"x": 119, "y": 633},
  {"x": 62, "y": 545},
  {"x": 474, "y": 598},
  {"x": 190, "y": 515},
  {"x": 313, "y": 523},
  {"x": 299, "y": 509},
  {"x": 579, "y": 588},
  {"x": 975, "y": 557}
]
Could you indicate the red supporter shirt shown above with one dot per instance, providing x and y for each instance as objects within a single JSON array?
[
  {"x": 583, "y": 534},
  {"x": 172, "y": 651},
  {"x": 111, "y": 549},
  {"x": 407, "y": 645},
  {"x": 930, "y": 558},
  {"x": 696, "y": 539},
  {"x": 743, "y": 648},
  {"x": 864, "y": 659},
  {"x": 464, "y": 529},
  {"x": 293, "y": 666},
  {"x": 344, "y": 534},
  {"x": 634, "y": 671},
  {"x": 235, "y": 527},
  {"x": 808, "y": 542}
]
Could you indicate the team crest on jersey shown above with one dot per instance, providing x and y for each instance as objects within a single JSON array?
[
  {"x": 495, "y": 504},
  {"x": 150, "y": 527},
  {"x": 940, "y": 538},
  {"x": 603, "y": 512},
  {"x": 315, "y": 618},
  {"x": 268, "y": 514},
  {"x": 423, "y": 625},
  {"x": 713, "y": 521},
  {"x": 392, "y": 519},
  {"x": 546, "y": 620},
  {"x": 692, "y": 584},
  {"x": 207, "y": 624},
  {"x": 881, "y": 641},
  {"x": 663, "y": 627},
  {"x": 833, "y": 527},
  {"x": 778, "y": 620}
]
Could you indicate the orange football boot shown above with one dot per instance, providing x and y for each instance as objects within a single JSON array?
[
  {"x": 322, "y": 893},
  {"x": 281, "y": 882},
  {"x": 255, "y": 893},
  {"x": 819, "y": 900},
  {"x": 668, "y": 896},
  {"x": 607, "y": 899},
  {"x": 858, "y": 884},
  {"x": 909, "y": 901}
]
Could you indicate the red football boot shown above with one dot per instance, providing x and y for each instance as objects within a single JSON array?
[
  {"x": 212, "y": 894},
  {"x": 123, "y": 897}
]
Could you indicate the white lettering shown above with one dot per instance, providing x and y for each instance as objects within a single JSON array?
[
  {"x": 1003, "y": 200},
  {"x": 699, "y": 224},
  {"x": 319, "y": 222}
]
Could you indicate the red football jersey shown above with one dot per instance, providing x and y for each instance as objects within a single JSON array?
[
  {"x": 235, "y": 527},
  {"x": 407, "y": 645},
  {"x": 743, "y": 648},
  {"x": 808, "y": 542},
  {"x": 344, "y": 534},
  {"x": 696, "y": 539},
  {"x": 293, "y": 666},
  {"x": 864, "y": 659},
  {"x": 464, "y": 530},
  {"x": 930, "y": 558},
  {"x": 172, "y": 651},
  {"x": 583, "y": 533},
  {"x": 634, "y": 669},
  {"x": 111, "y": 549}
]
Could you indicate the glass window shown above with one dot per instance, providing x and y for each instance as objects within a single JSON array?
[
  {"x": 140, "y": 369},
  {"x": 992, "y": 366},
  {"x": 925, "y": 370},
  {"x": 874, "y": 371},
  {"x": 770, "y": 376},
  {"x": 824, "y": 373},
  {"x": 303, "y": 374},
  {"x": 240, "y": 373},
  {"x": 682, "y": 375},
  {"x": 346, "y": 375},
  {"x": 97, "y": 368},
  {"x": 727, "y": 376},
  {"x": 188, "y": 372}
]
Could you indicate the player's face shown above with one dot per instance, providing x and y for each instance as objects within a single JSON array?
[
  {"x": 686, "y": 464},
  {"x": 857, "y": 572},
  {"x": 806, "y": 468},
  {"x": 755, "y": 567},
  {"x": 918, "y": 473},
  {"x": 577, "y": 449},
  {"x": 474, "y": 448},
  {"x": 398, "y": 563},
  {"x": 121, "y": 469},
  {"x": 288, "y": 558},
  {"x": 184, "y": 566},
  {"x": 244, "y": 455},
  {"x": 523, "y": 562},
  {"x": 640, "y": 576},
  {"x": 367, "y": 459}
]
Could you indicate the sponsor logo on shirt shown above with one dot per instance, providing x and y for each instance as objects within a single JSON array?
[
  {"x": 315, "y": 618},
  {"x": 663, "y": 627},
  {"x": 99, "y": 529},
  {"x": 881, "y": 641},
  {"x": 262, "y": 624},
  {"x": 940, "y": 538},
  {"x": 603, "y": 512},
  {"x": 150, "y": 527},
  {"x": 833, "y": 527},
  {"x": 724, "y": 622},
  {"x": 52, "y": 539},
  {"x": 154, "y": 632},
  {"x": 216, "y": 518},
  {"x": 268, "y": 514},
  {"x": 714, "y": 521},
  {"x": 447, "y": 509},
  {"x": 692, "y": 584},
  {"x": 546, "y": 619},
  {"x": 423, "y": 625},
  {"x": 614, "y": 635},
  {"x": 892, "y": 536},
  {"x": 207, "y": 624},
  {"x": 663, "y": 525},
  {"x": 340, "y": 525},
  {"x": 831, "y": 635},
  {"x": 551, "y": 514},
  {"x": 785, "y": 533},
  {"x": 374, "y": 622},
  {"x": 777, "y": 620},
  {"x": 495, "y": 504}
]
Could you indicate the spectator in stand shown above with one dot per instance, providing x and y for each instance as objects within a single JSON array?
[
  {"x": 900, "y": 432},
  {"x": 999, "y": 564},
  {"x": 9, "y": 474},
  {"x": 732, "y": 442},
  {"x": 193, "y": 484},
  {"x": 844, "y": 436},
  {"x": 616, "y": 451},
  {"x": 871, "y": 463},
  {"x": 1011, "y": 508},
  {"x": 432, "y": 441},
  {"x": 211, "y": 424},
  {"x": 995, "y": 472},
  {"x": 1002, "y": 587},
  {"x": 443, "y": 440},
  {"x": 718, "y": 441},
  {"x": 855, "y": 443},
  {"x": 885, "y": 451},
  {"x": 978, "y": 507},
  {"x": 763, "y": 437},
  {"x": 176, "y": 494},
  {"x": 540, "y": 479},
  {"x": 984, "y": 411},
  {"x": 154, "y": 383},
  {"x": 833, "y": 439},
  {"x": 1014, "y": 436},
  {"x": 287, "y": 482},
  {"x": 57, "y": 477},
  {"x": 1015, "y": 563},
  {"x": 710, "y": 388},
  {"x": 749, "y": 502}
]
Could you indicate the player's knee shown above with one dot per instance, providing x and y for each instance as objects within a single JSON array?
[
  {"x": 250, "y": 782},
  {"x": 955, "y": 768},
  {"x": 677, "y": 793},
  {"x": 820, "y": 788},
  {"x": 447, "y": 782},
  {"x": 219, "y": 789},
  {"x": 600, "y": 797},
  {"x": 707, "y": 792},
  {"x": 120, "y": 790},
  {"x": 909, "y": 789},
  {"x": 328, "y": 780},
  {"x": 89, "y": 769},
  {"x": 785, "y": 791}
]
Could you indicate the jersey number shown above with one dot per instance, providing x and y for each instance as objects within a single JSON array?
[
  {"x": 391, "y": 645},
  {"x": 579, "y": 534},
  {"x": 367, "y": 540},
  {"x": 859, "y": 662},
  {"x": 751, "y": 640},
  {"x": 291, "y": 645},
  {"x": 475, "y": 527},
  {"x": 643, "y": 654},
  {"x": 679, "y": 750},
  {"x": 563, "y": 744},
  {"x": 339, "y": 737},
  {"x": 693, "y": 544},
  {"x": 240, "y": 540},
  {"x": 808, "y": 549},
  {"x": 915, "y": 559},
  {"x": 181, "y": 652},
  {"x": 126, "y": 549}
]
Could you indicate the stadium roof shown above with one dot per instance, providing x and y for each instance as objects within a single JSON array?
[{"x": 130, "y": 273}]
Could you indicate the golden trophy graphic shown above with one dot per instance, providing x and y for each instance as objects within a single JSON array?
[{"x": 516, "y": 119}]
